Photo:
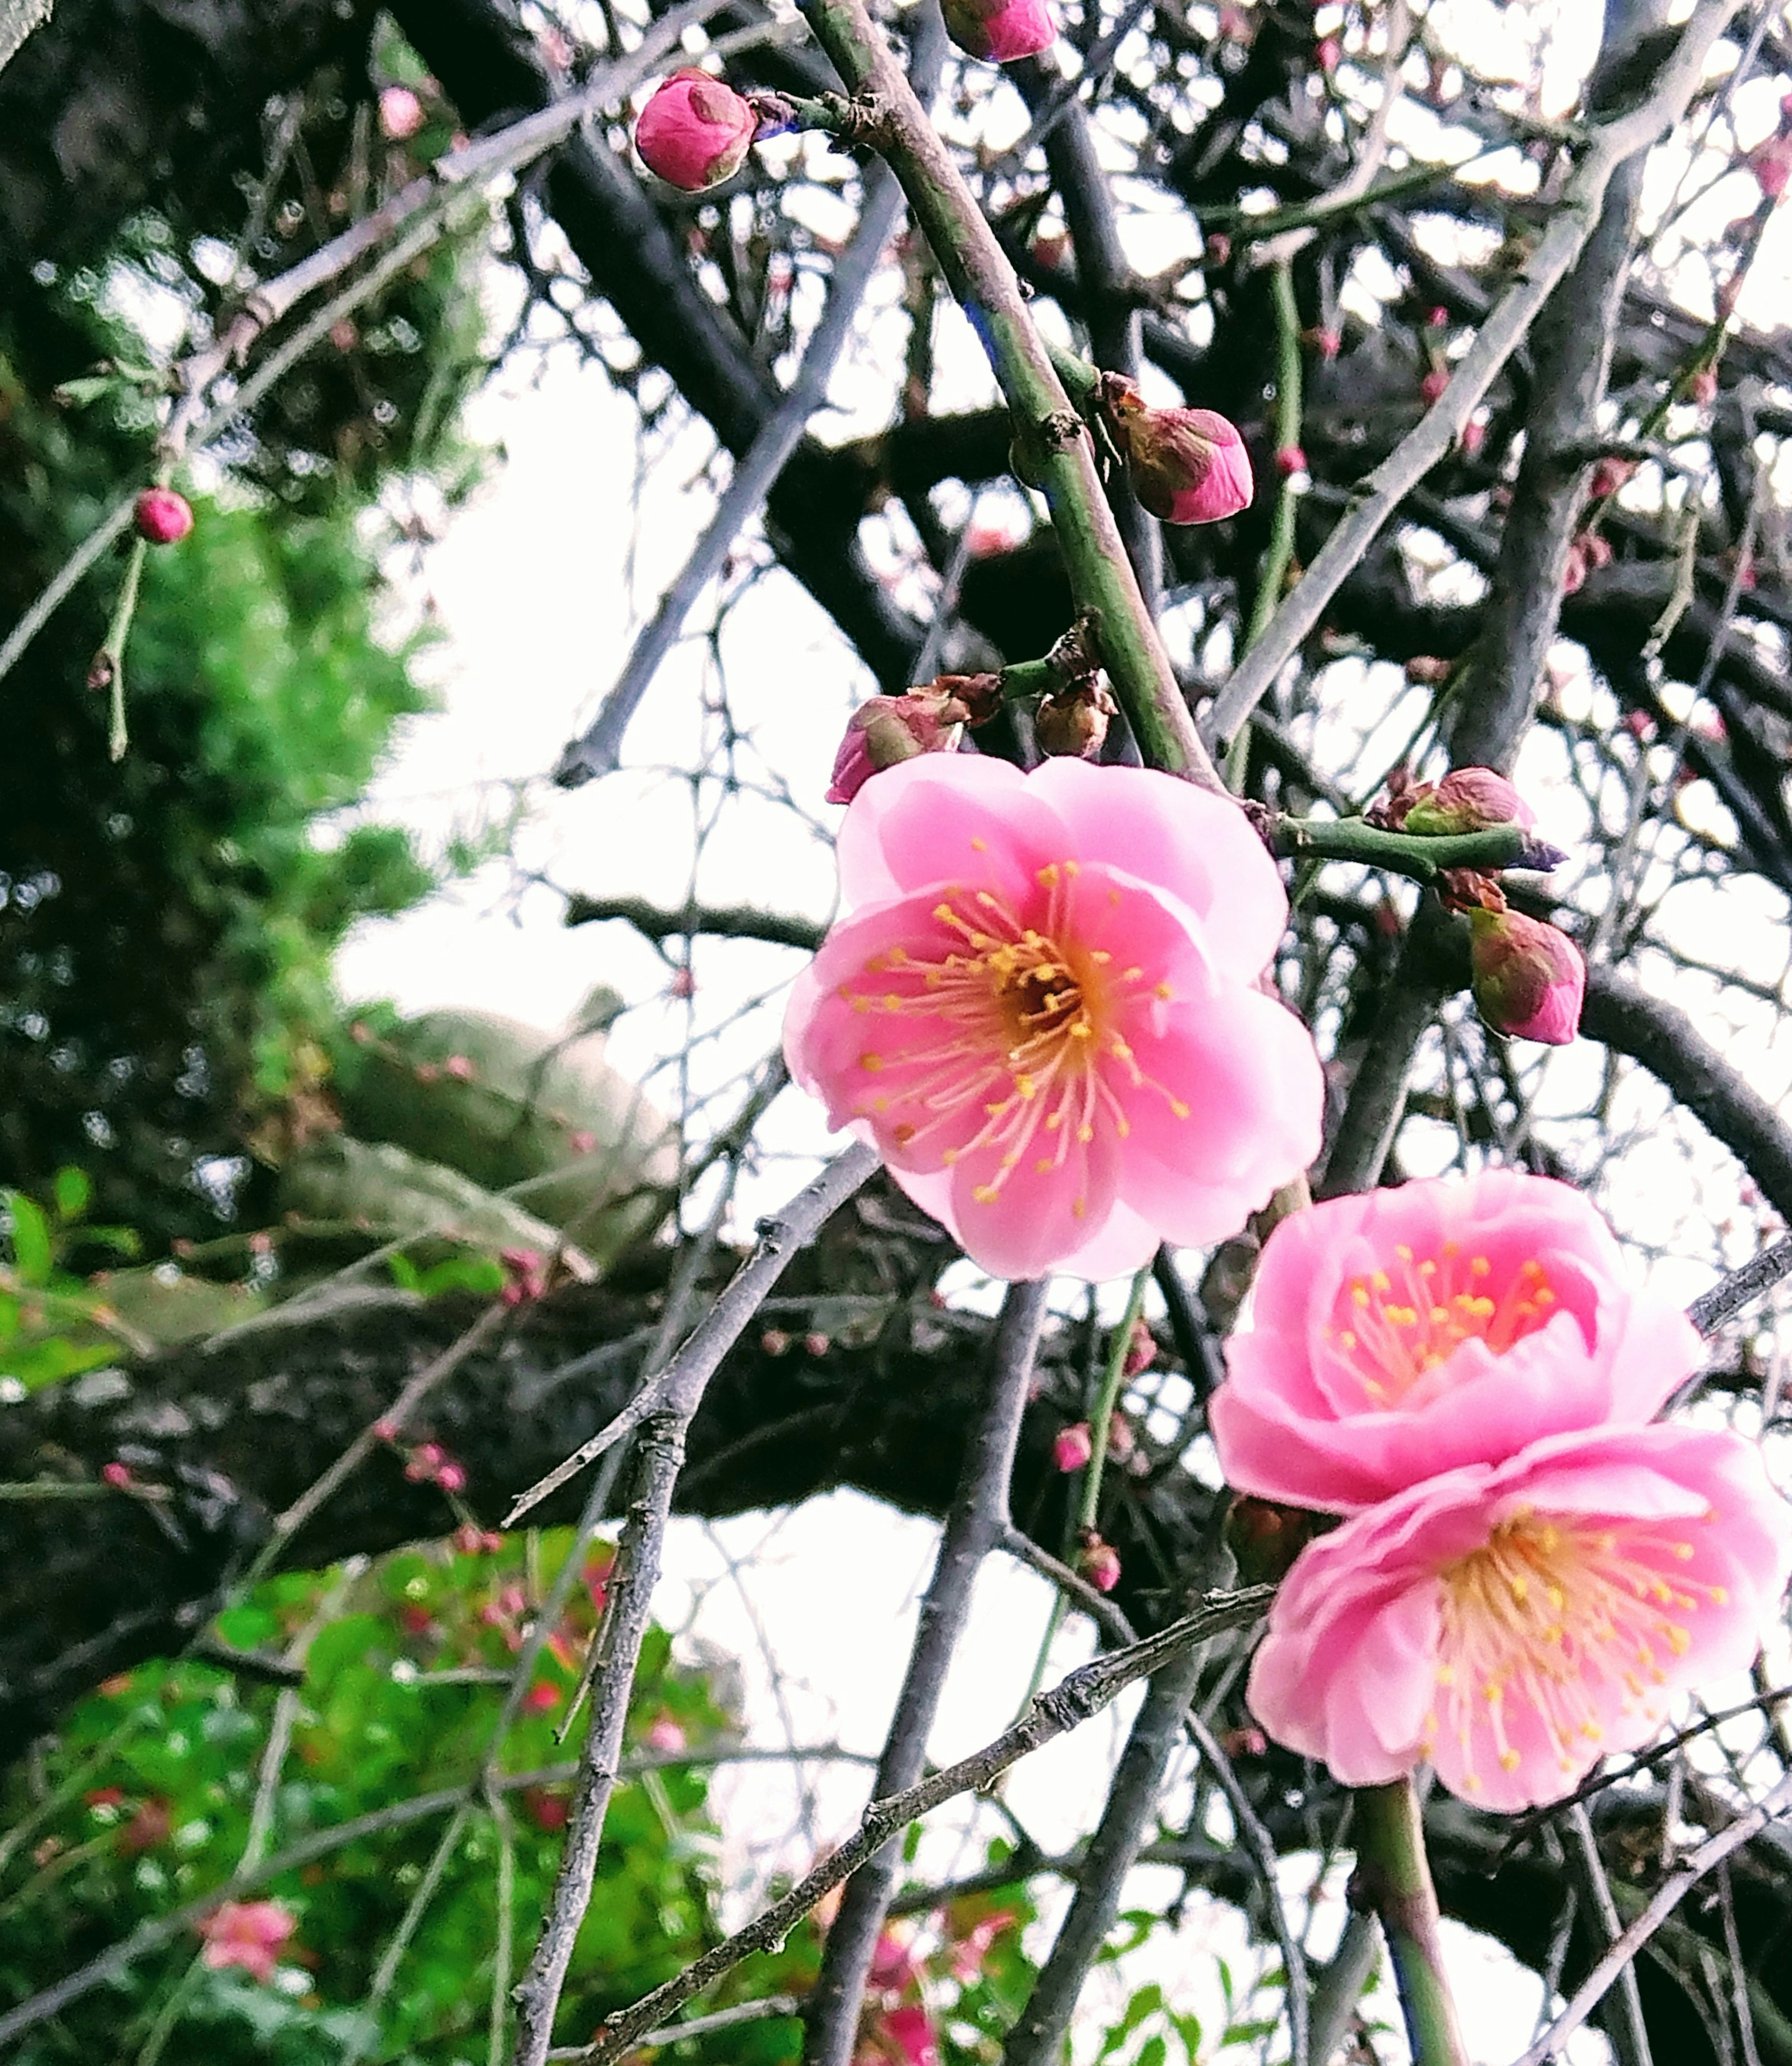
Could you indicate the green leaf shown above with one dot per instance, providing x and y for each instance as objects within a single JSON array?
[
  {"x": 72, "y": 1192},
  {"x": 31, "y": 1236}
]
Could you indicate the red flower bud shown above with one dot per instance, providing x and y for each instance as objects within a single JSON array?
[
  {"x": 892, "y": 729},
  {"x": 162, "y": 517},
  {"x": 1473, "y": 436},
  {"x": 1290, "y": 460},
  {"x": 1434, "y": 382},
  {"x": 1528, "y": 977},
  {"x": 1609, "y": 477},
  {"x": 117, "y": 1476},
  {"x": 695, "y": 132},
  {"x": 1073, "y": 1448},
  {"x": 1189, "y": 466},
  {"x": 1140, "y": 1349},
  {"x": 999, "y": 31}
]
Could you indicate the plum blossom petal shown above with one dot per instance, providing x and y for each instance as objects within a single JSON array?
[
  {"x": 1187, "y": 840},
  {"x": 1515, "y": 1624},
  {"x": 1041, "y": 1013},
  {"x": 1448, "y": 1322}
]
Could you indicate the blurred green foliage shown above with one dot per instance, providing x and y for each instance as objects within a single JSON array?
[{"x": 167, "y": 923}]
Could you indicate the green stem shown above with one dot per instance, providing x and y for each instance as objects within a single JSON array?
[
  {"x": 1108, "y": 1398},
  {"x": 1054, "y": 447},
  {"x": 1404, "y": 853},
  {"x": 108, "y": 665},
  {"x": 1393, "y": 1878},
  {"x": 1101, "y": 1418},
  {"x": 1243, "y": 226}
]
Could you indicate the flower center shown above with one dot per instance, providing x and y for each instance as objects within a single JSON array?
[
  {"x": 1028, "y": 1019},
  {"x": 1567, "y": 1617},
  {"x": 1397, "y": 1323}
]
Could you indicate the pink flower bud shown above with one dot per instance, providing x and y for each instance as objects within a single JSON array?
[
  {"x": 1099, "y": 1562},
  {"x": 1468, "y": 800},
  {"x": 1528, "y": 977},
  {"x": 1473, "y": 436},
  {"x": 1073, "y": 1448},
  {"x": 1217, "y": 247},
  {"x": 1437, "y": 318},
  {"x": 117, "y": 1476},
  {"x": 1327, "y": 343},
  {"x": 664, "y": 1734},
  {"x": 1434, "y": 382},
  {"x": 1189, "y": 466},
  {"x": 816, "y": 1344},
  {"x": 1609, "y": 477},
  {"x": 776, "y": 1342},
  {"x": 460, "y": 1067},
  {"x": 1289, "y": 460},
  {"x": 1574, "y": 568},
  {"x": 1140, "y": 1349},
  {"x": 469, "y": 1539},
  {"x": 695, "y": 132},
  {"x": 1702, "y": 388},
  {"x": 999, "y": 31},
  {"x": 1330, "y": 51},
  {"x": 401, "y": 114},
  {"x": 892, "y": 729},
  {"x": 452, "y": 1477},
  {"x": 582, "y": 1142},
  {"x": 1771, "y": 164},
  {"x": 385, "y": 1430},
  {"x": 542, "y": 1698},
  {"x": 162, "y": 517},
  {"x": 1428, "y": 668}
]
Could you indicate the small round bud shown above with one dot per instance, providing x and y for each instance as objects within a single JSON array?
[
  {"x": 1528, "y": 977},
  {"x": 999, "y": 31},
  {"x": 1073, "y": 1448},
  {"x": 401, "y": 114},
  {"x": 162, "y": 517},
  {"x": 695, "y": 132}
]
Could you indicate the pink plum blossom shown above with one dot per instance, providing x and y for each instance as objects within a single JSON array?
[
  {"x": 1073, "y": 1448},
  {"x": 1042, "y": 1007},
  {"x": 899, "y": 2037},
  {"x": 999, "y": 31},
  {"x": 695, "y": 132},
  {"x": 1452, "y": 1321},
  {"x": 1515, "y": 1624},
  {"x": 1189, "y": 466},
  {"x": 248, "y": 1934},
  {"x": 1529, "y": 978}
]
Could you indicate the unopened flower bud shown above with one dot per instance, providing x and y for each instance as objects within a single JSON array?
[
  {"x": 1434, "y": 382},
  {"x": 1290, "y": 460},
  {"x": 892, "y": 729},
  {"x": 1328, "y": 54},
  {"x": 1771, "y": 164},
  {"x": 1189, "y": 466},
  {"x": 1528, "y": 976},
  {"x": 1609, "y": 477},
  {"x": 1099, "y": 1562},
  {"x": 1702, "y": 388},
  {"x": 401, "y": 114},
  {"x": 1140, "y": 1349},
  {"x": 695, "y": 132},
  {"x": 162, "y": 517},
  {"x": 1217, "y": 247},
  {"x": 1073, "y": 1448},
  {"x": 117, "y": 1476},
  {"x": 1073, "y": 725},
  {"x": 1474, "y": 436},
  {"x": 452, "y": 1477},
  {"x": 1574, "y": 567},
  {"x": 1327, "y": 343},
  {"x": 999, "y": 31},
  {"x": 1468, "y": 800}
]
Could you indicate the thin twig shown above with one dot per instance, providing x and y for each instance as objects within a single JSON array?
[
  {"x": 1627, "y": 2030},
  {"x": 975, "y": 1526},
  {"x": 1667, "y": 1897},
  {"x": 617, "y": 1650}
]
